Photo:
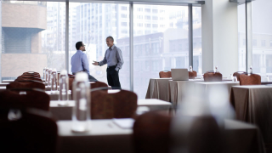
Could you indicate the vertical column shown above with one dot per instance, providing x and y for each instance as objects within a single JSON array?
[
  {"x": 220, "y": 36},
  {"x": 131, "y": 44},
  {"x": 67, "y": 36},
  {"x": 190, "y": 37},
  {"x": 248, "y": 35},
  {"x": 1, "y": 41}
]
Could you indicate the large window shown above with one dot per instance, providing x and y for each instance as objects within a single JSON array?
[
  {"x": 161, "y": 44},
  {"x": 197, "y": 40},
  {"x": 32, "y": 37},
  {"x": 241, "y": 38},
  {"x": 92, "y": 23},
  {"x": 262, "y": 38}
]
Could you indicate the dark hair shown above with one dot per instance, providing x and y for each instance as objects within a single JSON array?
[
  {"x": 79, "y": 44},
  {"x": 110, "y": 37}
]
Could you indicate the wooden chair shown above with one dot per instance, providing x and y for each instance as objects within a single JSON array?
[
  {"x": 26, "y": 84},
  {"x": 253, "y": 79},
  {"x": 98, "y": 84},
  {"x": 151, "y": 132},
  {"x": 25, "y": 98},
  {"x": 192, "y": 75},
  {"x": 71, "y": 76},
  {"x": 28, "y": 78},
  {"x": 118, "y": 105},
  {"x": 71, "y": 80},
  {"x": 164, "y": 74},
  {"x": 32, "y": 73},
  {"x": 27, "y": 130},
  {"x": 238, "y": 73},
  {"x": 212, "y": 77}
]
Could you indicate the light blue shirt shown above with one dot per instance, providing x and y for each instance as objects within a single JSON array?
[
  {"x": 113, "y": 56},
  {"x": 79, "y": 62}
]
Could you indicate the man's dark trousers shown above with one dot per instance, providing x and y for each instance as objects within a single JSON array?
[{"x": 113, "y": 77}]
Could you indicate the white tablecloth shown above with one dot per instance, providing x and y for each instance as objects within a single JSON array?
[
  {"x": 54, "y": 95},
  {"x": 177, "y": 88},
  {"x": 7, "y": 81},
  {"x": 105, "y": 136},
  {"x": 253, "y": 104},
  {"x": 158, "y": 88},
  {"x": 3, "y": 84},
  {"x": 62, "y": 110},
  {"x": 2, "y": 88},
  {"x": 48, "y": 88},
  {"x": 227, "y": 84}
]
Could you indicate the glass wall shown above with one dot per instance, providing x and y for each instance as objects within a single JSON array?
[
  {"x": 160, "y": 42},
  {"x": 197, "y": 40},
  {"x": 241, "y": 38},
  {"x": 32, "y": 37},
  {"x": 262, "y": 38},
  {"x": 92, "y": 23}
]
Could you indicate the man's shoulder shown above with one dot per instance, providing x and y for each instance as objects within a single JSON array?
[
  {"x": 80, "y": 53},
  {"x": 117, "y": 48}
]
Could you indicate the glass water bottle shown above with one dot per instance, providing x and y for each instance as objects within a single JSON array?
[
  {"x": 54, "y": 80},
  {"x": 81, "y": 110},
  {"x": 44, "y": 73},
  {"x": 250, "y": 70},
  {"x": 215, "y": 69},
  {"x": 49, "y": 76},
  {"x": 63, "y": 86}
]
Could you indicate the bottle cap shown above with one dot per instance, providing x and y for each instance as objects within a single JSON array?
[
  {"x": 63, "y": 72},
  {"x": 81, "y": 76}
]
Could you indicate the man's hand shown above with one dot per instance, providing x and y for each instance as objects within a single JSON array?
[{"x": 95, "y": 63}]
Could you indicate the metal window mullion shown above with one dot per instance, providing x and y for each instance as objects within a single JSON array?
[
  {"x": 248, "y": 18},
  {"x": 190, "y": 34},
  {"x": 67, "y": 36},
  {"x": 1, "y": 41},
  {"x": 131, "y": 45}
]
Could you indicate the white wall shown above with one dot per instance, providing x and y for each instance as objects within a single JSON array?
[{"x": 220, "y": 36}]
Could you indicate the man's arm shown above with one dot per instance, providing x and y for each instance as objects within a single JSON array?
[
  {"x": 85, "y": 63},
  {"x": 120, "y": 60},
  {"x": 104, "y": 61}
]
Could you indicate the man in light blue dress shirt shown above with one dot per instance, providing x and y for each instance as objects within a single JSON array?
[
  {"x": 79, "y": 61},
  {"x": 114, "y": 60}
]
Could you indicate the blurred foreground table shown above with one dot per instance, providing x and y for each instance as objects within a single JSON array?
[
  {"x": 54, "y": 95},
  {"x": 2, "y": 88},
  {"x": 7, "y": 81},
  {"x": 3, "y": 84},
  {"x": 105, "y": 136},
  {"x": 253, "y": 104}
]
